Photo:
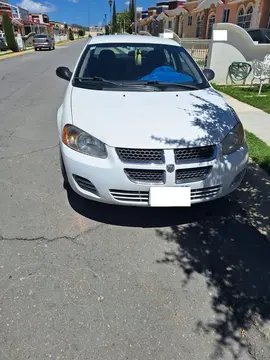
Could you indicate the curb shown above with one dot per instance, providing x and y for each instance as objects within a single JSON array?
[
  {"x": 2, "y": 57},
  {"x": 21, "y": 53}
]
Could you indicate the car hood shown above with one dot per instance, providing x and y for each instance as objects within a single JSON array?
[{"x": 155, "y": 119}]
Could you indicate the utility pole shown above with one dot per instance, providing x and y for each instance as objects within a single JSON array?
[
  {"x": 135, "y": 17},
  {"x": 110, "y": 4}
]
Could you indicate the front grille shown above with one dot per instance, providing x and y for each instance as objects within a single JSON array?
[
  {"x": 146, "y": 176},
  {"x": 130, "y": 196},
  {"x": 204, "y": 192},
  {"x": 85, "y": 184},
  {"x": 196, "y": 153},
  {"x": 140, "y": 155},
  {"x": 143, "y": 196},
  {"x": 195, "y": 174}
]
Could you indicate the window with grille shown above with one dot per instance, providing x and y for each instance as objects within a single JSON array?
[
  {"x": 225, "y": 15},
  {"x": 241, "y": 18},
  {"x": 248, "y": 17},
  {"x": 211, "y": 22},
  {"x": 189, "y": 21},
  {"x": 199, "y": 26}
]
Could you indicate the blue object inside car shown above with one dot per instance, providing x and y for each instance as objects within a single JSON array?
[{"x": 167, "y": 74}]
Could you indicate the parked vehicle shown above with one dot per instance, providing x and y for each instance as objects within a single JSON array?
[
  {"x": 141, "y": 125},
  {"x": 3, "y": 44},
  {"x": 262, "y": 36},
  {"x": 43, "y": 41}
]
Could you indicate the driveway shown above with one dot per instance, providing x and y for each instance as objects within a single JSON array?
[{"x": 85, "y": 281}]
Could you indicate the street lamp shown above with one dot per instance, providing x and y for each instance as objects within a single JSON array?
[
  {"x": 110, "y": 4},
  {"x": 135, "y": 17}
]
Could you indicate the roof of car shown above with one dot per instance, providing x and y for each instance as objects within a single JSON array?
[{"x": 131, "y": 39}]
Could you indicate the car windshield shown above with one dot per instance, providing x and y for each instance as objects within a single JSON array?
[{"x": 143, "y": 66}]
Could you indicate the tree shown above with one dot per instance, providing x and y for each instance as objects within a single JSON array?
[
  {"x": 70, "y": 34},
  {"x": 132, "y": 10},
  {"x": 107, "y": 30},
  {"x": 81, "y": 32},
  {"x": 114, "y": 19},
  {"x": 66, "y": 27},
  {"x": 124, "y": 21},
  {"x": 9, "y": 33}
]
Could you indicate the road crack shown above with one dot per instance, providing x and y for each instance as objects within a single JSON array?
[
  {"x": 29, "y": 153},
  {"x": 73, "y": 239}
]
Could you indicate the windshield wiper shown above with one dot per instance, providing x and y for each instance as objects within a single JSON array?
[
  {"x": 171, "y": 84},
  {"x": 97, "y": 79}
]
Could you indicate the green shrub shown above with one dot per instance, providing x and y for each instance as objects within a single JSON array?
[
  {"x": 70, "y": 34},
  {"x": 9, "y": 33}
]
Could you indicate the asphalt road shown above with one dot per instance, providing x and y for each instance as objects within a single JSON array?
[{"x": 85, "y": 281}]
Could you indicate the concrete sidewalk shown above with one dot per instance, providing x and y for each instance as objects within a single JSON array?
[{"x": 253, "y": 119}]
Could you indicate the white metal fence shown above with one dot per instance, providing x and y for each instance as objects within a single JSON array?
[{"x": 198, "y": 49}]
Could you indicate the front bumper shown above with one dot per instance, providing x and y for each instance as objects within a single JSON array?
[
  {"x": 105, "y": 180},
  {"x": 42, "y": 46}
]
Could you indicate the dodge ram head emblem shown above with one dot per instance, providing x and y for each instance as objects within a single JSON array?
[{"x": 170, "y": 168}]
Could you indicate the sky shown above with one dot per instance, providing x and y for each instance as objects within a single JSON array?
[{"x": 83, "y": 12}]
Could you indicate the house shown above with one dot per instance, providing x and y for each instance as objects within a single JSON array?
[
  {"x": 247, "y": 14},
  {"x": 95, "y": 30},
  {"x": 195, "y": 18},
  {"x": 60, "y": 31},
  {"x": 21, "y": 20},
  {"x": 40, "y": 18}
]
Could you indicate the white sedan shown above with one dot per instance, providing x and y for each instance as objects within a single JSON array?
[{"x": 140, "y": 125}]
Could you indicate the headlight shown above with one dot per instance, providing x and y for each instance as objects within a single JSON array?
[
  {"x": 234, "y": 140},
  {"x": 79, "y": 140}
]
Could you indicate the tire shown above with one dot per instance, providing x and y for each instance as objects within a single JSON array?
[{"x": 35, "y": 49}]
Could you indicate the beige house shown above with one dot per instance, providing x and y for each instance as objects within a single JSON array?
[{"x": 195, "y": 18}]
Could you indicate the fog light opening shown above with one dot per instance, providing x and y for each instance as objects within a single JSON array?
[{"x": 238, "y": 179}]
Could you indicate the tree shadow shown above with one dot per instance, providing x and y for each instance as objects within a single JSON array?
[
  {"x": 208, "y": 116},
  {"x": 232, "y": 252},
  {"x": 226, "y": 241}
]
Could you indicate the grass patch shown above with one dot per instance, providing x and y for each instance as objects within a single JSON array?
[
  {"x": 248, "y": 95},
  {"x": 259, "y": 151}
]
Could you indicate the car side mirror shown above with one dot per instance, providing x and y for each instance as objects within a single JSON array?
[
  {"x": 64, "y": 73},
  {"x": 209, "y": 74}
]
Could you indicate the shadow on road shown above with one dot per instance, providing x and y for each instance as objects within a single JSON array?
[
  {"x": 226, "y": 241},
  {"x": 232, "y": 252}
]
